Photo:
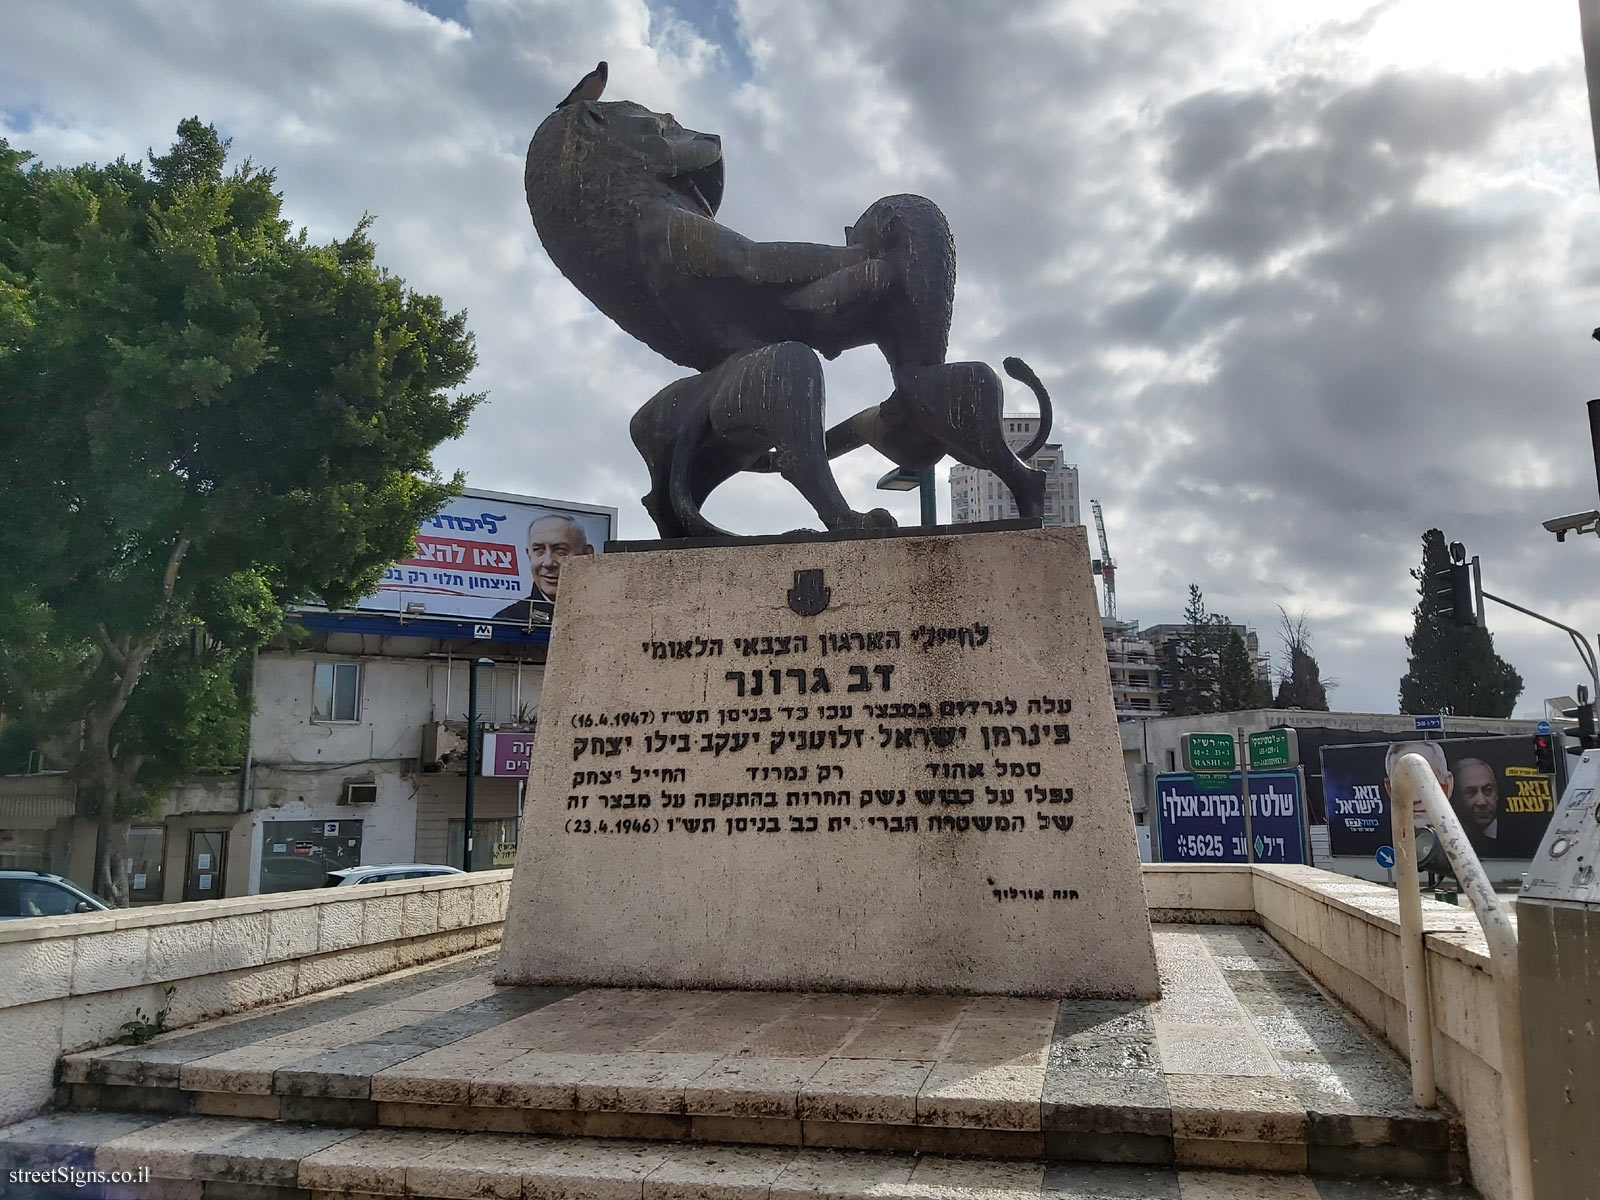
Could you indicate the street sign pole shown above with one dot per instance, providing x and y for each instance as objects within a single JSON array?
[
  {"x": 1244, "y": 797},
  {"x": 1305, "y": 819}
]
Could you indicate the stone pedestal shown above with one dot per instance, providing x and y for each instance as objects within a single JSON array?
[{"x": 882, "y": 764}]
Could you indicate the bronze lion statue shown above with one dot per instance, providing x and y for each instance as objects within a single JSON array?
[{"x": 625, "y": 202}]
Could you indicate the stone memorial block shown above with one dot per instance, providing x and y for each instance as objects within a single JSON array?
[{"x": 886, "y": 764}]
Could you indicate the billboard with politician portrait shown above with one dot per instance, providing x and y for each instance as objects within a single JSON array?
[
  {"x": 492, "y": 557},
  {"x": 1501, "y": 799}
]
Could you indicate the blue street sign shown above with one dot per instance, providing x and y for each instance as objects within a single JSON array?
[
  {"x": 1542, "y": 727},
  {"x": 1424, "y": 724},
  {"x": 1385, "y": 856},
  {"x": 1200, "y": 822}
]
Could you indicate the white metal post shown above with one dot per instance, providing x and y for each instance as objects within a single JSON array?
[
  {"x": 1413, "y": 953},
  {"x": 1414, "y": 777}
]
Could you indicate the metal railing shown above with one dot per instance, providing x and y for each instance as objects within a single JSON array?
[{"x": 1414, "y": 782}]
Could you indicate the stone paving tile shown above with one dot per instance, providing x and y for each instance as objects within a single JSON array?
[
  {"x": 1235, "y": 1108},
  {"x": 757, "y": 1007},
  {"x": 850, "y": 1005},
  {"x": 1197, "y": 1049},
  {"x": 896, "y": 1041},
  {"x": 1104, "y": 1072},
  {"x": 1080, "y": 1181},
  {"x": 703, "y": 1033},
  {"x": 443, "y": 1076},
  {"x": 451, "y": 995},
  {"x": 879, "y": 1091},
  {"x": 1011, "y": 1008},
  {"x": 375, "y": 1160},
  {"x": 1010, "y": 1043},
  {"x": 67, "y": 1138},
  {"x": 809, "y": 1037},
  {"x": 716, "y": 1173},
  {"x": 981, "y": 1096},
  {"x": 922, "y": 1010},
  {"x": 1391, "y": 1189},
  {"x": 168, "y": 1149},
  {"x": 842, "y": 1175},
  {"x": 972, "y": 1179},
  {"x": 1324, "y": 1033},
  {"x": 1231, "y": 1185},
  {"x": 487, "y": 1166},
  {"x": 343, "y": 1074},
  {"x": 642, "y": 1082},
  {"x": 536, "y": 1079},
  {"x": 750, "y": 1087},
  {"x": 581, "y": 1170},
  {"x": 245, "y": 1071},
  {"x": 615, "y": 1034},
  {"x": 265, "y": 1155}
]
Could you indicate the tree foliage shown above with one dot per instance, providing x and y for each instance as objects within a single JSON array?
[
  {"x": 1301, "y": 684},
  {"x": 203, "y": 417},
  {"x": 1453, "y": 668},
  {"x": 1209, "y": 664},
  {"x": 1238, "y": 687}
]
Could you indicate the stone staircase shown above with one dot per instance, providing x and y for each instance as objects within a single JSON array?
[{"x": 1243, "y": 1080}]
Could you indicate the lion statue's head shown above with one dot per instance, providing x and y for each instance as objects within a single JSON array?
[{"x": 601, "y": 177}]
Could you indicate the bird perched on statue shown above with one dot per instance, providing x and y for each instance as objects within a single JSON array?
[{"x": 589, "y": 87}]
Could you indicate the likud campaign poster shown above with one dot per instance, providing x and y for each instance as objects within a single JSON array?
[
  {"x": 1501, "y": 799},
  {"x": 488, "y": 556},
  {"x": 1201, "y": 819}
]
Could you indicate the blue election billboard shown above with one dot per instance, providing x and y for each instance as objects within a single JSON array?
[{"x": 1197, "y": 824}]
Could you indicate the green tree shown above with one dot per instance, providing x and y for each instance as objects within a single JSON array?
[
  {"x": 1238, "y": 686},
  {"x": 203, "y": 417},
  {"x": 1194, "y": 659},
  {"x": 1301, "y": 684},
  {"x": 1453, "y": 668}
]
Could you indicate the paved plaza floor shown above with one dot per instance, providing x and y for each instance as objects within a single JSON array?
[{"x": 396, "y": 1086}]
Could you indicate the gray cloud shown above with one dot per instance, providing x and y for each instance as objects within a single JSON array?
[{"x": 1295, "y": 306}]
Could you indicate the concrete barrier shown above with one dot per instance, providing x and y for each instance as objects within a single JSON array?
[{"x": 69, "y": 983}]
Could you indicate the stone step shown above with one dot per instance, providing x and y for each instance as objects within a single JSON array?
[
  {"x": 1242, "y": 1064},
  {"x": 153, "y": 1157}
]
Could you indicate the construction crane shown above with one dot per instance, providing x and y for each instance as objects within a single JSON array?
[{"x": 1105, "y": 566}]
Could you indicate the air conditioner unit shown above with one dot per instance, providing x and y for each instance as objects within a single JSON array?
[
  {"x": 441, "y": 746},
  {"x": 359, "y": 792}
]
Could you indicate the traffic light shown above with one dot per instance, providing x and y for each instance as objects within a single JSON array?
[
  {"x": 1587, "y": 740},
  {"x": 1544, "y": 753},
  {"x": 1454, "y": 583}
]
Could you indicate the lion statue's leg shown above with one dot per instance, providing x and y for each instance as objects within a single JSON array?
[
  {"x": 667, "y": 430},
  {"x": 762, "y": 407},
  {"x": 773, "y": 398},
  {"x": 963, "y": 405}
]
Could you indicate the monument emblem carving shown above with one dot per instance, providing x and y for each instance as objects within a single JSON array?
[
  {"x": 808, "y": 596},
  {"x": 625, "y": 202}
]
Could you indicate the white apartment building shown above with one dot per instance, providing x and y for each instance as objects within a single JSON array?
[
  {"x": 977, "y": 495},
  {"x": 1135, "y": 665}
]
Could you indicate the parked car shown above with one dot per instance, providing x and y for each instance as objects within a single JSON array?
[
  {"x": 40, "y": 894},
  {"x": 387, "y": 873}
]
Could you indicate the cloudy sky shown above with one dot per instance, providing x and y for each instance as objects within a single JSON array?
[{"x": 1304, "y": 278}]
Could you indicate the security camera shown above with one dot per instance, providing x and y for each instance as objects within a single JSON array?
[{"x": 1584, "y": 522}]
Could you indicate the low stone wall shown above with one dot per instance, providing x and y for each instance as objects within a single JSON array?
[
  {"x": 69, "y": 983},
  {"x": 1199, "y": 893},
  {"x": 1346, "y": 933}
]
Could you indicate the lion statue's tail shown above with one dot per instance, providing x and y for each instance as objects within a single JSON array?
[{"x": 1023, "y": 373}]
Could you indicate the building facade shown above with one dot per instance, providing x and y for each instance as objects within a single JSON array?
[
  {"x": 978, "y": 495},
  {"x": 1135, "y": 665}
]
